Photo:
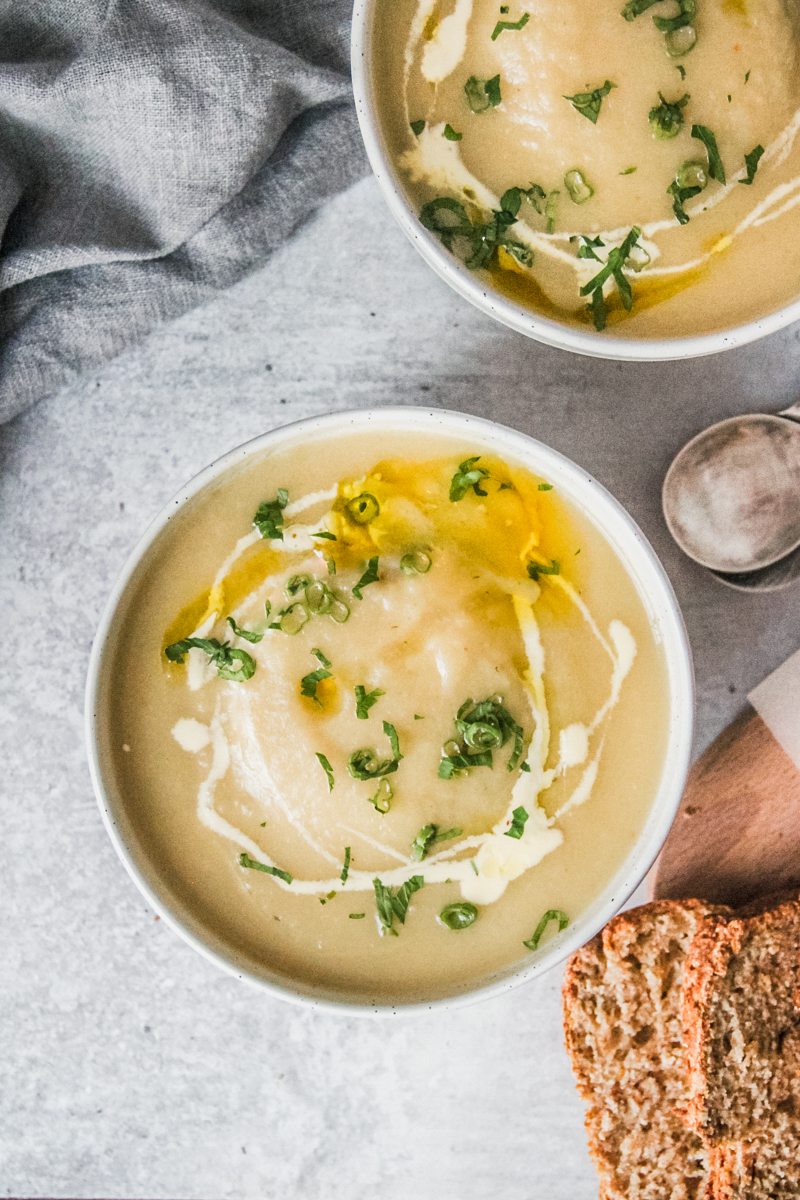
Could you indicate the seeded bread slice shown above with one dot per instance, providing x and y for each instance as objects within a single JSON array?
[
  {"x": 741, "y": 1013},
  {"x": 763, "y": 1169},
  {"x": 622, "y": 1019}
]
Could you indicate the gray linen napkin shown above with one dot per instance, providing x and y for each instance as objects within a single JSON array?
[{"x": 151, "y": 153}]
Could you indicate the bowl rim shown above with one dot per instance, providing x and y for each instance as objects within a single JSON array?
[
  {"x": 664, "y": 610},
  {"x": 472, "y": 287}
]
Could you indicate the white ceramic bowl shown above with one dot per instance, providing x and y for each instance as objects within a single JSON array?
[
  {"x": 474, "y": 286},
  {"x": 640, "y": 562}
]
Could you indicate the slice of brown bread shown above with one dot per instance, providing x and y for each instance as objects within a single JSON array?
[
  {"x": 741, "y": 1013},
  {"x": 622, "y": 1019}
]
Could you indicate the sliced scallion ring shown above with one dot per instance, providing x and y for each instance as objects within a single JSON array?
[
  {"x": 362, "y": 509},
  {"x": 338, "y": 611},
  {"x": 680, "y": 41},
  {"x": 382, "y": 800},
  {"x": 297, "y": 584},
  {"x": 417, "y": 562},
  {"x": 459, "y": 915},
  {"x": 576, "y": 184},
  {"x": 692, "y": 174},
  {"x": 319, "y": 597},
  {"x": 294, "y": 618}
]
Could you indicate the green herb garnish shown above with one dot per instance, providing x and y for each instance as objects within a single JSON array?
[
  {"x": 629, "y": 171},
  {"x": 588, "y": 103},
  {"x": 545, "y": 487},
  {"x": 535, "y": 570},
  {"x": 365, "y": 764},
  {"x": 451, "y": 134},
  {"x": 552, "y": 914},
  {"x": 680, "y": 34},
  {"x": 468, "y": 476},
  {"x": 716, "y": 170},
  {"x": 502, "y": 26},
  {"x": 362, "y": 509},
  {"x": 391, "y": 904},
  {"x": 369, "y": 576},
  {"x": 475, "y": 243},
  {"x": 231, "y": 663},
  {"x": 751, "y": 161},
  {"x": 327, "y": 768},
  {"x": 614, "y": 267},
  {"x": 666, "y": 119},
  {"x": 482, "y": 94},
  {"x": 365, "y": 700},
  {"x": 252, "y": 864},
  {"x": 310, "y": 682},
  {"x": 249, "y": 635},
  {"x": 357, "y": 916},
  {"x": 320, "y": 657},
  {"x": 587, "y": 249},
  {"x": 382, "y": 800},
  {"x": 518, "y": 819},
  {"x": 482, "y": 728},
  {"x": 578, "y": 187},
  {"x": 427, "y": 837},
  {"x": 324, "y": 533},
  {"x": 417, "y": 127},
  {"x": 268, "y": 519},
  {"x": 690, "y": 181},
  {"x": 634, "y": 8},
  {"x": 346, "y": 865},
  {"x": 417, "y": 562},
  {"x": 459, "y": 916}
]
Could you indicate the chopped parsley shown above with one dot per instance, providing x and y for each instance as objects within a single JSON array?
[
  {"x": 417, "y": 127},
  {"x": 393, "y": 905},
  {"x": 629, "y": 171},
  {"x": 482, "y": 94},
  {"x": 451, "y": 134},
  {"x": 365, "y": 700},
  {"x": 365, "y": 764},
  {"x": 253, "y": 865},
  {"x": 346, "y": 865},
  {"x": 468, "y": 476},
  {"x": 427, "y": 837},
  {"x": 249, "y": 635},
  {"x": 481, "y": 728},
  {"x": 310, "y": 682},
  {"x": 518, "y": 820},
  {"x": 459, "y": 916},
  {"x": 716, "y": 170},
  {"x": 326, "y": 534},
  {"x": 535, "y": 570},
  {"x": 552, "y": 914},
  {"x": 357, "y": 916},
  {"x": 503, "y": 26},
  {"x": 370, "y": 576},
  {"x": 751, "y": 161},
  {"x": 588, "y": 103},
  {"x": 327, "y": 768},
  {"x": 666, "y": 119},
  {"x": 268, "y": 518},
  {"x": 614, "y": 267},
  {"x": 231, "y": 663}
]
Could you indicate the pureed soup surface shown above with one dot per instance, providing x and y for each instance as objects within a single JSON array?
[
  {"x": 420, "y": 680},
  {"x": 631, "y": 166}
]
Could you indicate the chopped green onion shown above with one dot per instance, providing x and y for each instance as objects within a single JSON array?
[
  {"x": 450, "y": 133},
  {"x": 268, "y": 519},
  {"x": 319, "y": 597},
  {"x": 680, "y": 41},
  {"x": 517, "y": 828},
  {"x": 293, "y": 619},
  {"x": 339, "y": 611},
  {"x": 324, "y": 533},
  {"x": 365, "y": 764},
  {"x": 628, "y": 171},
  {"x": 346, "y": 866},
  {"x": 391, "y": 905},
  {"x": 369, "y": 576},
  {"x": 296, "y": 584},
  {"x": 459, "y": 916},
  {"x": 634, "y": 8},
  {"x": 231, "y": 663},
  {"x": 482, "y": 94},
  {"x": 579, "y": 189},
  {"x": 252, "y": 864},
  {"x": 427, "y": 837},
  {"x": 716, "y": 170},
  {"x": 365, "y": 700},
  {"x": 552, "y": 914},
  {"x": 417, "y": 127},
  {"x": 382, "y": 800},
  {"x": 482, "y": 727},
  {"x": 468, "y": 476},
  {"x": 690, "y": 180},
  {"x": 327, "y": 768},
  {"x": 666, "y": 119},
  {"x": 249, "y": 635},
  {"x": 357, "y": 916},
  {"x": 417, "y": 562},
  {"x": 614, "y": 267},
  {"x": 320, "y": 657},
  {"x": 545, "y": 487},
  {"x": 751, "y": 161},
  {"x": 502, "y": 26},
  {"x": 588, "y": 103},
  {"x": 362, "y": 509}
]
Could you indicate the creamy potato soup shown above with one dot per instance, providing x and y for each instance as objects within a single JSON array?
[
  {"x": 633, "y": 165},
  {"x": 387, "y": 713}
]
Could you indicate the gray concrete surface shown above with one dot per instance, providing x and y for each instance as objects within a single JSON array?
[{"x": 129, "y": 1067}]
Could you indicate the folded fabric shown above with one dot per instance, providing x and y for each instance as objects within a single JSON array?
[{"x": 154, "y": 152}]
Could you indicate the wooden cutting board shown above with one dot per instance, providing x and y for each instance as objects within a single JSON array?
[{"x": 737, "y": 833}]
